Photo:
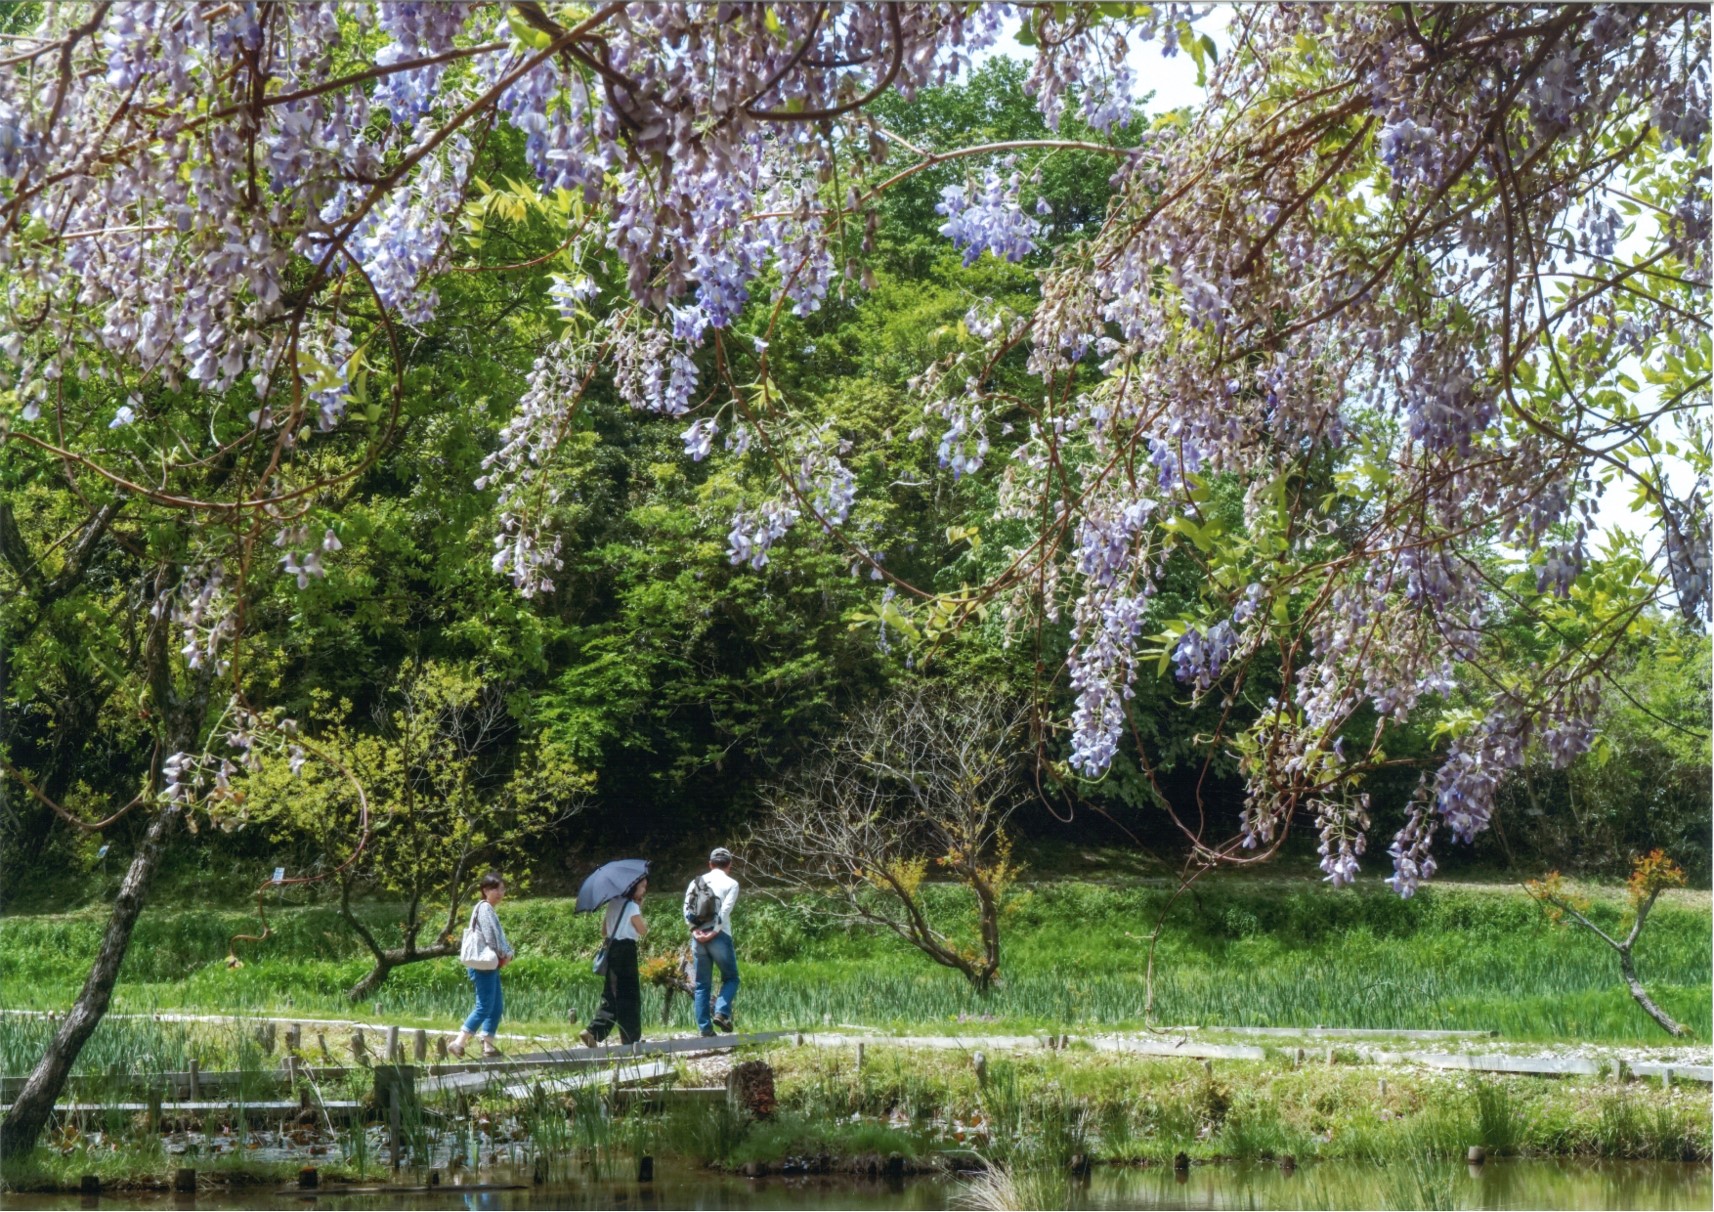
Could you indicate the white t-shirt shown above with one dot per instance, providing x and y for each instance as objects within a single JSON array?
[
  {"x": 617, "y": 929},
  {"x": 724, "y": 887}
]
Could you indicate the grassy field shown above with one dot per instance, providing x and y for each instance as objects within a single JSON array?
[{"x": 1237, "y": 952}]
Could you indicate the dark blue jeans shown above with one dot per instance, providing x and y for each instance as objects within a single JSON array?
[
  {"x": 488, "y": 1002},
  {"x": 716, "y": 952}
]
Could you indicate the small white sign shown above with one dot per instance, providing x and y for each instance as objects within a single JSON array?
[
  {"x": 105, "y": 847},
  {"x": 279, "y": 875}
]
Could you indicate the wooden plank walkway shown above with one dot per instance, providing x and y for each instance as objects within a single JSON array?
[
  {"x": 177, "y": 1083},
  {"x": 514, "y": 1073},
  {"x": 1538, "y": 1066},
  {"x": 439, "y": 1080},
  {"x": 1682, "y": 1073},
  {"x": 621, "y": 1075},
  {"x": 1018, "y": 1043},
  {"x": 1333, "y": 1032},
  {"x": 257, "y": 1020},
  {"x": 1190, "y": 1049},
  {"x": 269, "y": 1107}
]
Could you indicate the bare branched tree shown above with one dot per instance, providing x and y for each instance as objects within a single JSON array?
[{"x": 922, "y": 781}]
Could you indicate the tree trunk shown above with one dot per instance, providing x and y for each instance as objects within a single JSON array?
[
  {"x": 1671, "y": 1026},
  {"x": 386, "y": 961},
  {"x": 29, "y": 1114}
]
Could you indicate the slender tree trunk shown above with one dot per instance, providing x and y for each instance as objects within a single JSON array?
[
  {"x": 1627, "y": 965},
  {"x": 1667, "y": 1022},
  {"x": 29, "y": 1114}
]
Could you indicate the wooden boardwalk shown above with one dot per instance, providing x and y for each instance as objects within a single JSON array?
[
  {"x": 261, "y": 1092},
  {"x": 1186, "y": 1047},
  {"x": 517, "y": 1076}
]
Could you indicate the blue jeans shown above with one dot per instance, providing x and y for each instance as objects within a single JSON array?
[
  {"x": 716, "y": 951},
  {"x": 488, "y": 1002}
]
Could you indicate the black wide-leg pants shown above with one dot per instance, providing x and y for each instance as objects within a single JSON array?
[{"x": 622, "y": 996}]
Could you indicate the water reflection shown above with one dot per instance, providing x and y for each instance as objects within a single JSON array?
[{"x": 1498, "y": 1185}]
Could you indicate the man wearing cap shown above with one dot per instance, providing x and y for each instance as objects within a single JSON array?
[{"x": 711, "y": 939}]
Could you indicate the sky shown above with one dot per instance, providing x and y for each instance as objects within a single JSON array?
[{"x": 1173, "y": 81}]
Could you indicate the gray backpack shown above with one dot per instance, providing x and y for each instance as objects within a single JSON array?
[{"x": 704, "y": 905}]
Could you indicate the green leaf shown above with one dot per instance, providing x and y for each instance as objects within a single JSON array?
[{"x": 526, "y": 33}]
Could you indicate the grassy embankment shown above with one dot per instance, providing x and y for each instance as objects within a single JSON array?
[
  {"x": 1044, "y": 1108},
  {"x": 1237, "y": 952}
]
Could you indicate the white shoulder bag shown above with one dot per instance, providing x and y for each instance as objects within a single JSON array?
[{"x": 473, "y": 951}]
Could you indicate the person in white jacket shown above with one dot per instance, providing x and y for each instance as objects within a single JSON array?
[{"x": 711, "y": 939}]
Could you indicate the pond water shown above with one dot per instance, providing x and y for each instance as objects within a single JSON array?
[{"x": 1500, "y": 1184}]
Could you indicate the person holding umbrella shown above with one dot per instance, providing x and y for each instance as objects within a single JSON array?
[{"x": 620, "y": 887}]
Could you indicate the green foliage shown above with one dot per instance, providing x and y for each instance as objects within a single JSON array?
[
  {"x": 415, "y": 808},
  {"x": 1461, "y": 958},
  {"x": 1644, "y": 785}
]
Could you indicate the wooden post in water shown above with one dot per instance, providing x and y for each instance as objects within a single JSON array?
[
  {"x": 394, "y": 1086},
  {"x": 393, "y": 1121}
]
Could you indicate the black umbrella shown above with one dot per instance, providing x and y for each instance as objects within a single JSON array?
[{"x": 608, "y": 881}]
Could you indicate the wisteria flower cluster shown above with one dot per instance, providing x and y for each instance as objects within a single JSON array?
[{"x": 988, "y": 218}]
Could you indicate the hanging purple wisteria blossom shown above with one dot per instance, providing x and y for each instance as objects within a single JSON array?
[{"x": 1360, "y": 341}]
